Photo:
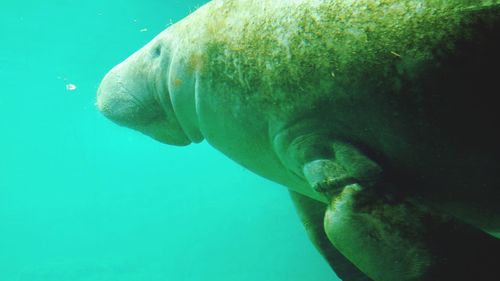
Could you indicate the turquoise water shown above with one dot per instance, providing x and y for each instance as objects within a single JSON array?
[{"x": 82, "y": 199}]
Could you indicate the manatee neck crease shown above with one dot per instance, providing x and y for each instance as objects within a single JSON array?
[{"x": 182, "y": 93}]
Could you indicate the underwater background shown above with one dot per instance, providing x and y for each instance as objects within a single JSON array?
[{"x": 82, "y": 199}]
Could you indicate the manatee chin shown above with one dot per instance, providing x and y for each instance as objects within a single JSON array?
[{"x": 127, "y": 97}]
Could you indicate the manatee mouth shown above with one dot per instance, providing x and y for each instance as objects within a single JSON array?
[{"x": 129, "y": 101}]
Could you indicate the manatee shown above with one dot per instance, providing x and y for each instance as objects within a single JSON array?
[{"x": 378, "y": 116}]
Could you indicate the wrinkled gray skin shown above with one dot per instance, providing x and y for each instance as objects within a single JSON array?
[{"x": 382, "y": 110}]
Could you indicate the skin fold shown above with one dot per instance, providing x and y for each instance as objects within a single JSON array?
[{"x": 380, "y": 117}]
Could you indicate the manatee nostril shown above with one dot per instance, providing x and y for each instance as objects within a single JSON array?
[{"x": 156, "y": 51}]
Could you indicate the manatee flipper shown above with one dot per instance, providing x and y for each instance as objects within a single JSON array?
[
  {"x": 326, "y": 163},
  {"x": 311, "y": 213},
  {"x": 347, "y": 165},
  {"x": 400, "y": 240}
]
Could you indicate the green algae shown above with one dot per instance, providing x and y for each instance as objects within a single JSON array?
[{"x": 283, "y": 51}]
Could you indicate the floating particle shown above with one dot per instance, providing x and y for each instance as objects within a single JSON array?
[
  {"x": 395, "y": 54},
  {"x": 70, "y": 87},
  {"x": 143, "y": 30}
]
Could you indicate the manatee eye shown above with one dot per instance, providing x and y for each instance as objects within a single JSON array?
[{"x": 156, "y": 51}]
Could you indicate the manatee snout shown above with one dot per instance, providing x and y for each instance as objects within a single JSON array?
[
  {"x": 133, "y": 96},
  {"x": 118, "y": 99}
]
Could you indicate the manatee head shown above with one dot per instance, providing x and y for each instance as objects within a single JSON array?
[{"x": 135, "y": 94}]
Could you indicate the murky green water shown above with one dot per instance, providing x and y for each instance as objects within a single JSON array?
[{"x": 82, "y": 199}]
